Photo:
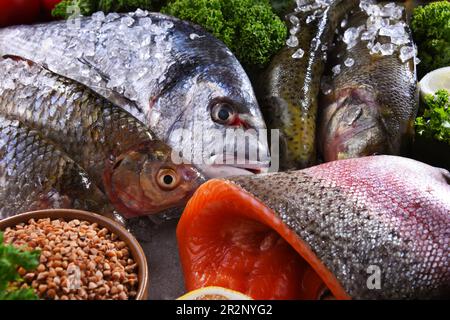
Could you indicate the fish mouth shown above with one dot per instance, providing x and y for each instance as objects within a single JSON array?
[
  {"x": 229, "y": 238},
  {"x": 230, "y": 166},
  {"x": 365, "y": 140}
]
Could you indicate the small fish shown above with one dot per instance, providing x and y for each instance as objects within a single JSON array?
[
  {"x": 373, "y": 101},
  {"x": 369, "y": 228},
  {"x": 118, "y": 152},
  {"x": 290, "y": 87},
  {"x": 35, "y": 174},
  {"x": 184, "y": 88}
]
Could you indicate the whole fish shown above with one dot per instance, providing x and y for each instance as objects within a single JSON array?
[
  {"x": 35, "y": 174},
  {"x": 373, "y": 97},
  {"x": 173, "y": 76},
  {"x": 118, "y": 152},
  {"x": 290, "y": 87},
  {"x": 368, "y": 228}
]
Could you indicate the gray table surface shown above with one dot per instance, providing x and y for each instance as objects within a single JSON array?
[{"x": 165, "y": 275}]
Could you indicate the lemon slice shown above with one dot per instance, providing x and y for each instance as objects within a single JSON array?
[
  {"x": 214, "y": 293},
  {"x": 434, "y": 81}
]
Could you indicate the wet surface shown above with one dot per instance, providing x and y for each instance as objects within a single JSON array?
[{"x": 165, "y": 275}]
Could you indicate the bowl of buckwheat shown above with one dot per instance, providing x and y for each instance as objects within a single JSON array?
[{"x": 81, "y": 256}]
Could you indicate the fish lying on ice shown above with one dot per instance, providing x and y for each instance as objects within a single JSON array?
[
  {"x": 35, "y": 174},
  {"x": 369, "y": 228},
  {"x": 373, "y": 99},
  {"x": 118, "y": 152},
  {"x": 290, "y": 87},
  {"x": 170, "y": 74}
]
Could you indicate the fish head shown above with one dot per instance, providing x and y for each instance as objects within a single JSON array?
[
  {"x": 221, "y": 128},
  {"x": 354, "y": 127},
  {"x": 144, "y": 180}
]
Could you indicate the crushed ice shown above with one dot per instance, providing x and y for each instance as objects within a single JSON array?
[
  {"x": 384, "y": 20},
  {"x": 123, "y": 44},
  {"x": 292, "y": 41},
  {"x": 298, "y": 54},
  {"x": 303, "y": 6}
]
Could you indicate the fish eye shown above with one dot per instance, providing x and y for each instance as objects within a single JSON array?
[
  {"x": 223, "y": 113},
  {"x": 167, "y": 179}
]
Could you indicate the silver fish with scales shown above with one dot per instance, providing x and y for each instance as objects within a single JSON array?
[{"x": 168, "y": 73}]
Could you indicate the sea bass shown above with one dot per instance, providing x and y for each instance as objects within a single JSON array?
[
  {"x": 118, "y": 152},
  {"x": 173, "y": 76},
  {"x": 35, "y": 174},
  {"x": 291, "y": 85},
  {"x": 368, "y": 228},
  {"x": 373, "y": 98}
]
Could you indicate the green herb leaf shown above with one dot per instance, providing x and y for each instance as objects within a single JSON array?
[
  {"x": 431, "y": 29},
  {"x": 434, "y": 123},
  {"x": 11, "y": 259}
]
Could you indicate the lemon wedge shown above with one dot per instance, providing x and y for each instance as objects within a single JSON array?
[
  {"x": 434, "y": 81},
  {"x": 214, "y": 293}
]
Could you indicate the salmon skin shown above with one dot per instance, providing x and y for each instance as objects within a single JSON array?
[
  {"x": 368, "y": 228},
  {"x": 290, "y": 86},
  {"x": 373, "y": 98},
  {"x": 35, "y": 174},
  {"x": 171, "y": 75},
  {"x": 121, "y": 156}
]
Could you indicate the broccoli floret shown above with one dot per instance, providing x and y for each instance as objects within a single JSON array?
[
  {"x": 431, "y": 30},
  {"x": 248, "y": 27},
  {"x": 435, "y": 121}
]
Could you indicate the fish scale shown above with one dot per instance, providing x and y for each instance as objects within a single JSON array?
[
  {"x": 290, "y": 87},
  {"x": 35, "y": 174},
  {"x": 119, "y": 153},
  {"x": 150, "y": 65},
  {"x": 382, "y": 90},
  {"x": 390, "y": 212},
  {"x": 87, "y": 127}
]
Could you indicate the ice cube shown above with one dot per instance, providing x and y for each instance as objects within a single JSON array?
[
  {"x": 407, "y": 53},
  {"x": 145, "y": 22},
  {"x": 310, "y": 19},
  {"x": 389, "y": 10},
  {"x": 349, "y": 62},
  {"x": 336, "y": 69},
  {"x": 298, "y": 54},
  {"x": 127, "y": 21},
  {"x": 399, "y": 40},
  {"x": 294, "y": 30},
  {"x": 294, "y": 20},
  {"x": 292, "y": 41},
  {"x": 167, "y": 24},
  {"x": 376, "y": 48},
  {"x": 98, "y": 16},
  {"x": 369, "y": 35},
  {"x": 397, "y": 30},
  {"x": 112, "y": 17},
  {"x": 141, "y": 13},
  {"x": 350, "y": 35},
  {"x": 387, "y": 49}
]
